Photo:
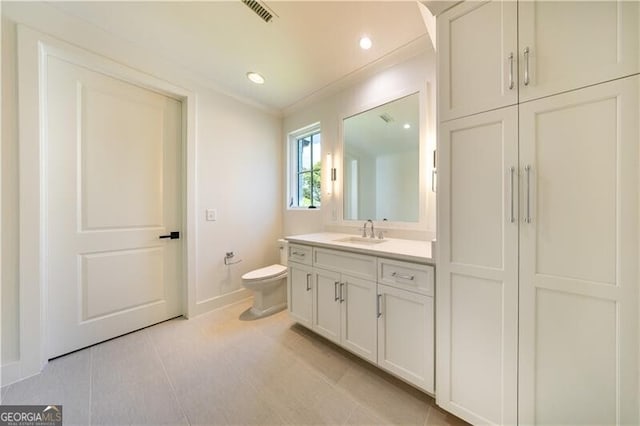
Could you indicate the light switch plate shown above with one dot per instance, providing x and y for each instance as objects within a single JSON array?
[{"x": 212, "y": 215}]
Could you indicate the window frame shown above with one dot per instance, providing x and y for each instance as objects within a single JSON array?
[{"x": 293, "y": 172}]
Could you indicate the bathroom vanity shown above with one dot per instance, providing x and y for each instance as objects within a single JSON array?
[{"x": 372, "y": 297}]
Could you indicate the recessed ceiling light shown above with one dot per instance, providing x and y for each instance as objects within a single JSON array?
[
  {"x": 255, "y": 77},
  {"x": 407, "y": 126},
  {"x": 365, "y": 43}
]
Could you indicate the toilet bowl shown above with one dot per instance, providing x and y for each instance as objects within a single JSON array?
[{"x": 268, "y": 286}]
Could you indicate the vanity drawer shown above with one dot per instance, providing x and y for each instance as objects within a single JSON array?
[
  {"x": 300, "y": 254},
  {"x": 406, "y": 275},
  {"x": 357, "y": 265}
]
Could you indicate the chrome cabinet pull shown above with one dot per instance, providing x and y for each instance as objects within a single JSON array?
[
  {"x": 403, "y": 276},
  {"x": 378, "y": 306},
  {"x": 511, "y": 71},
  {"x": 526, "y": 65},
  {"x": 308, "y": 282},
  {"x": 527, "y": 169},
  {"x": 335, "y": 291},
  {"x": 341, "y": 292},
  {"x": 511, "y": 173},
  {"x": 297, "y": 253}
]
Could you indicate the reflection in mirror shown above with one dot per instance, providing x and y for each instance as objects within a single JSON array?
[{"x": 381, "y": 162}]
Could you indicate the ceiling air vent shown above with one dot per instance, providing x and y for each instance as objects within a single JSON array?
[
  {"x": 386, "y": 118},
  {"x": 260, "y": 9}
]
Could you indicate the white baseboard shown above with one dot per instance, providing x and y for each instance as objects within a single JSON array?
[
  {"x": 208, "y": 305},
  {"x": 10, "y": 373}
]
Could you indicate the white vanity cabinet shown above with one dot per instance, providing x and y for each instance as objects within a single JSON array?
[
  {"x": 300, "y": 284},
  {"x": 406, "y": 321},
  {"x": 380, "y": 309},
  {"x": 345, "y": 300},
  {"x": 496, "y": 53}
]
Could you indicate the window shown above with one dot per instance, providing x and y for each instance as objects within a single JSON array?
[{"x": 305, "y": 167}]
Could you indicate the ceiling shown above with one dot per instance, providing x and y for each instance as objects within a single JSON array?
[{"x": 307, "y": 47}]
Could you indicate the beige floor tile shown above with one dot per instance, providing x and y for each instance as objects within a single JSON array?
[
  {"x": 65, "y": 381},
  {"x": 439, "y": 417},
  {"x": 388, "y": 398},
  {"x": 129, "y": 384},
  {"x": 221, "y": 370}
]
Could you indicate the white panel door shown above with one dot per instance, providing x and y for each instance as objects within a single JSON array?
[
  {"x": 405, "y": 335},
  {"x": 477, "y": 58},
  {"x": 359, "y": 328},
  {"x": 477, "y": 273},
  {"x": 300, "y": 293},
  {"x": 326, "y": 312},
  {"x": 572, "y": 44},
  {"x": 579, "y": 257},
  {"x": 113, "y": 170}
]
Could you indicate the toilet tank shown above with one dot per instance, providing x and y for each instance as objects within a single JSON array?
[{"x": 284, "y": 253}]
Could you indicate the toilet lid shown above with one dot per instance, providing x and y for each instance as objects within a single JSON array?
[{"x": 264, "y": 273}]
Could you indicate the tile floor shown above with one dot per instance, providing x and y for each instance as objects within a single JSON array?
[{"x": 219, "y": 370}]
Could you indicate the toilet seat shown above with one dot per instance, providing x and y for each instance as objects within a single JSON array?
[{"x": 268, "y": 272}]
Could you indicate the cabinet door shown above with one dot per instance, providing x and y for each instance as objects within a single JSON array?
[
  {"x": 326, "y": 312},
  {"x": 477, "y": 58},
  {"x": 579, "y": 257},
  {"x": 359, "y": 317},
  {"x": 405, "y": 335},
  {"x": 572, "y": 44},
  {"x": 477, "y": 273},
  {"x": 300, "y": 292}
]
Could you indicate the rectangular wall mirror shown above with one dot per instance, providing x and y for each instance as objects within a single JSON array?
[{"x": 382, "y": 162}]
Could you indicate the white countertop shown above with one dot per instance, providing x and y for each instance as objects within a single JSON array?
[{"x": 396, "y": 248}]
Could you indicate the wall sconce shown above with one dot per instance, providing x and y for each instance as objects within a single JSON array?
[{"x": 331, "y": 174}]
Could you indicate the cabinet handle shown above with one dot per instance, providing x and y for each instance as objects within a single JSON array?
[
  {"x": 510, "y": 71},
  {"x": 341, "y": 292},
  {"x": 378, "y": 306},
  {"x": 526, "y": 65},
  {"x": 433, "y": 180},
  {"x": 403, "y": 276},
  {"x": 511, "y": 173},
  {"x": 335, "y": 291},
  {"x": 308, "y": 282},
  {"x": 527, "y": 169},
  {"x": 297, "y": 253}
]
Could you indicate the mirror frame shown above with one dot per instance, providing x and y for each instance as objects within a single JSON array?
[{"x": 423, "y": 164}]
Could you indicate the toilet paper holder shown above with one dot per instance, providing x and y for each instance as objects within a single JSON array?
[{"x": 228, "y": 258}]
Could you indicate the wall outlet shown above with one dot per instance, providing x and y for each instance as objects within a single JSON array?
[{"x": 212, "y": 215}]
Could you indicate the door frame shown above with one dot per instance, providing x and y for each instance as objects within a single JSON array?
[{"x": 33, "y": 50}]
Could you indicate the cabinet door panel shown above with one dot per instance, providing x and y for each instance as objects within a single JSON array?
[
  {"x": 326, "y": 313},
  {"x": 359, "y": 317},
  {"x": 405, "y": 336},
  {"x": 477, "y": 273},
  {"x": 579, "y": 255},
  {"x": 300, "y": 293},
  {"x": 573, "y": 44},
  {"x": 475, "y": 40}
]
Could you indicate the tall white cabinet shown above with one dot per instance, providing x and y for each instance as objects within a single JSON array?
[{"x": 537, "y": 279}]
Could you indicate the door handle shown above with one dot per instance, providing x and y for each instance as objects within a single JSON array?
[
  {"x": 335, "y": 291},
  {"x": 511, "y": 173},
  {"x": 174, "y": 235},
  {"x": 525, "y": 53},
  {"x": 510, "y": 57},
  {"x": 308, "y": 283},
  {"x": 341, "y": 294},
  {"x": 527, "y": 169},
  {"x": 378, "y": 306}
]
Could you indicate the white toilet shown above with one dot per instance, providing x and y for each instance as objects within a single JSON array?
[{"x": 268, "y": 285}]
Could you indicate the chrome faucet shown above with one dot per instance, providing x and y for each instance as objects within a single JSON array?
[{"x": 373, "y": 233}]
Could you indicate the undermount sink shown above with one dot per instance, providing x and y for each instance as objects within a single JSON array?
[{"x": 360, "y": 240}]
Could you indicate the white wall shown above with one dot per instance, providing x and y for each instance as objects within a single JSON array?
[
  {"x": 415, "y": 73},
  {"x": 239, "y": 164}
]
